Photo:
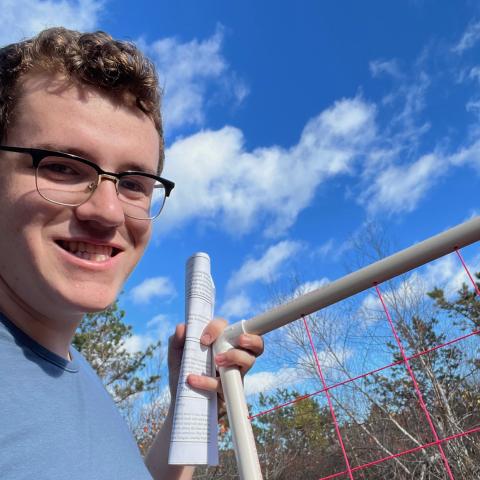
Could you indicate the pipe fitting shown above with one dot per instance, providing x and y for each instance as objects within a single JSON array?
[{"x": 229, "y": 337}]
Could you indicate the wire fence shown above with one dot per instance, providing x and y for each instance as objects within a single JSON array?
[{"x": 434, "y": 441}]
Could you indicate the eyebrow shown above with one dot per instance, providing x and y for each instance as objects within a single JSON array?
[{"x": 80, "y": 152}]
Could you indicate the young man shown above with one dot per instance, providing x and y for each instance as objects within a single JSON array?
[{"x": 80, "y": 157}]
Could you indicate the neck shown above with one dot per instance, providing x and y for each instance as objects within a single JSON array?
[{"x": 53, "y": 333}]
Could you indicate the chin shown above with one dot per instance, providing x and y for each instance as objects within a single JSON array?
[
  {"x": 95, "y": 308},
  {"x": 91, "y": 302}
]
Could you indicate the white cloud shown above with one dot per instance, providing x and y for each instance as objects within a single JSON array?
[
  {"x": 393, "y": 184},
  {"x": 371, "y": 305},
  {"x": 400, "y": 188},
  {"x": 186, "y": 72},
  {"x": 392, "y": 166},
  {"x": 475, "y": 73},
  {"x": 158, "y": 328},
  {"x": 161, "y": 328},
  {"x": 266, "y": 267},
  {"x": 406, "y": 294},
  {"x": 407, "y": 101},
  {"x": 469, "y": 38},
  {"x": 263, "y": 382},
  {"x": 237, "y": 306},
  {"x": 24, "y": 18},
  {"x": 221, "y": 182},
  {"x": 310, "y": 286},
  {"x": 331, "y": 362},
  {"x": 157, "y": 321},
  {"x": 473, "y": 106},
  {"x": 151, "y": 288},
  {"x": 467, "y": 155},
  {"x": 389, "y": 67},
  {"x": 324, "y": 249},
  {"x": 473, "y": 213},
  {"x": 334, "y": 359},
  {"x": 446, "y": 273},
  {"x": 138, "y": 342}
]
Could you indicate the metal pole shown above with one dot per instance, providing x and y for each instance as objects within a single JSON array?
[{"x": 353, "y": 283}]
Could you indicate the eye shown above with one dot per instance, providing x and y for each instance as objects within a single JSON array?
[
  {"x": 133, "y": 185},
  {"x": 59, "y": 168},
  {"x": 65, "y": 170}
]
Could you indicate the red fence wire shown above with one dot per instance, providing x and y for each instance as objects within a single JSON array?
[{"x": 436, "y": 443}]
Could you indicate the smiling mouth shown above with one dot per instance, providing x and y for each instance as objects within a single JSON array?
[{"x": 88, "y": 251}]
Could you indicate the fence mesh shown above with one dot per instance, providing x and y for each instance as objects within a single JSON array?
[{"x": 434, "y": 439}]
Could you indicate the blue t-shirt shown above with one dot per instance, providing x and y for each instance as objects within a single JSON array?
[{"x": 57, "y": 421}]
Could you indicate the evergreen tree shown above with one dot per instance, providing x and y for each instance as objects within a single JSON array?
[{"x": 101, "y": 339}]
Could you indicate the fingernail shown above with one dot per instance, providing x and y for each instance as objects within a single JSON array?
[
  {"x": 220, "y": 359},
  {"x": 206, "y": 339},
  {"x": 245, "y": 340}
]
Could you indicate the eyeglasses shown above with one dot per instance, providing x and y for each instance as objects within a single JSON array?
[{"x": 69, "y": 180}]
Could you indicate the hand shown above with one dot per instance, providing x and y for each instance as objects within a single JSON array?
[{"x": 244, "y": 356}]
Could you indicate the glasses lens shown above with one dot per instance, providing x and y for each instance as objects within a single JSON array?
[
  {"x": 143, "y": 197},
  {"x": 64, "y": 180}
]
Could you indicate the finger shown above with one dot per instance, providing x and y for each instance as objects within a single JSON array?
[
  {"x": 252, "y": 343},
  {"x": 236, "y": 358},
  {"x": 210, "y": 384},
  {"x": 204, "y": 382},
  {"x": 213, "y": 330},
  {"x": 177, "y": 340},
  {"x": 175, "y": 346}
]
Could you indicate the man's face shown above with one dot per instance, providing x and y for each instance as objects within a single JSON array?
[{"x": 40, "y": 265}]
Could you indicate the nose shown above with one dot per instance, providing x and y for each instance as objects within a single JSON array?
[{"x": 103, "y": 207}]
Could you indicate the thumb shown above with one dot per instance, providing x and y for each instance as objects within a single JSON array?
[{"x": 212, "y": 331}]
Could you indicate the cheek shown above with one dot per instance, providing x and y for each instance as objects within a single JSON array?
[
  {"x": 140, "y": 232},
  {"x": 19, "y": 252},
  {"x": 23, "y": 218}
]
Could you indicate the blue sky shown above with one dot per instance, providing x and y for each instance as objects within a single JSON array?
[{"x": 289, "y": 127}]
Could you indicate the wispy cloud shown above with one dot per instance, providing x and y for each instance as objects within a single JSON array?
[
  {"x": 382, "y": 67},
  {"x": 188, "y": 71},
  {"x": 216, "y": 166},
  {"x": 263, "y": 382},
  {"x": 469, "y": 38},
  {"x": 399, "y": 188},
  {"x": 236, "y": 306},
  {"x": 23, "y": 18},
  {"x": 325, "y": 248},
  {"x": 150, "y": 288},
  {"x": 266, "y": 267},
  {"x": 310, "y": 286},
  {"x": 467, "y": 155},
  {"x": 395, "y": 177}
]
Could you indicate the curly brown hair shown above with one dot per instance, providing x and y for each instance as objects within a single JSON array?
[{"x": 116, "y": 67}]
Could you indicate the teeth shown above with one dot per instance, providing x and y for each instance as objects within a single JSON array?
[
  {"x": 95, "y": 257},
  {"x": 88, "y": 251}
]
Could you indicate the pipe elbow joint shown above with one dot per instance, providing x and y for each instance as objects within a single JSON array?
[{"x": 229, "y": 337}]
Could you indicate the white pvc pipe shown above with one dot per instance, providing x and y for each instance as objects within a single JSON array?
[
  {"x": 381, "y": 271},
  {"x": 242, "y": 434},
  {"x": 365, "y": 278}
]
